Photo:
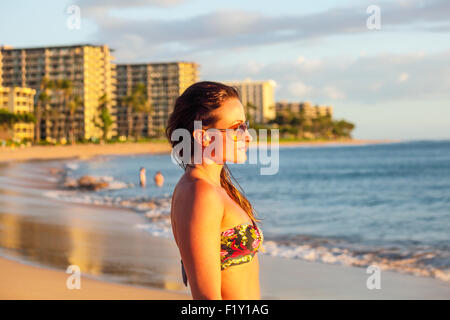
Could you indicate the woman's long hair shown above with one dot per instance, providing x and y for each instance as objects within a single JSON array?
[{"x": 196, "y": 104}]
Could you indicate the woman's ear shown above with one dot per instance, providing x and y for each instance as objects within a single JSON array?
[{"x": 201, "y": 136}]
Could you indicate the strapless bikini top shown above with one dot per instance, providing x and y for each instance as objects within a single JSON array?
[{"x": 237, "y": 245}]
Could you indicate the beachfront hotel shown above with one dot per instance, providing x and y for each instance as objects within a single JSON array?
[
  {"x": 260, "y": 94},
  {"x": 164, "y": 83},
  {"x": 19, "y": 100},
  {"x": 306, "y": 108},
  {"x": 88, "y": 67}
]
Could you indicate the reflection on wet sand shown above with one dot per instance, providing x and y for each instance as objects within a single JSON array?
[{"x": 101, "y": 241}]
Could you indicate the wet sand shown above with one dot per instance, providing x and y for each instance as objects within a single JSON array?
[
  {"x": 102, "y": 241},
  {"x": 44, "y": 236}
]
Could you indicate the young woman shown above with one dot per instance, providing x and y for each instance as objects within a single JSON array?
[{"x": 213, "y": 223}]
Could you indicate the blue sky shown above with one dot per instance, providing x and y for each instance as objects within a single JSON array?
[{"x": 392, "y": 83}]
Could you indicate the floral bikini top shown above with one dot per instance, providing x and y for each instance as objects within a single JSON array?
[{"x": 238, "y": 245}]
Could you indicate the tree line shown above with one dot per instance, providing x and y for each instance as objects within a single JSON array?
[{"x": 298, "y": 126}]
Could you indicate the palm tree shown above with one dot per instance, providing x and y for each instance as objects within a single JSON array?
[
  {"x": 142, "y": 108},
  {"x": 66, "y": 88},
  {"x": 105, "y": 117},
  {"x": 137, "y": 103},
  {"x": 43, "y": 101},
  {"x": 128, "y": 103},
  {"x": 74, "y": 104},
  {"x": 52, "y": 114},
  {"x": 250, "y": 112}
]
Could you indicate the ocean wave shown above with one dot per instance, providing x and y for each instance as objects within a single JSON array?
[
  {"x": 420, "y": 261},
  {"x": 71, "y": 166},
  {"x": 412, "y": 259},
  {"x": 113, "y": 184}
]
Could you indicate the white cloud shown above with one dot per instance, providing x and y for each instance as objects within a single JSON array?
[
  {"x": 254, "y": 67},
  {"x": 299, "y": 89},
  {"x": 221, "y": 30},
  {"x": 402, "y": 77},
  {"x": 333, "y": 93},
  {"x": 365, "y": 80},
  {"x": 308, "y": 64}
]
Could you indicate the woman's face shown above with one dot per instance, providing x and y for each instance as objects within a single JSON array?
[{"x": 231, "y": 114}]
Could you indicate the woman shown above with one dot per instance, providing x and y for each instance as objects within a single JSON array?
[{"x": 213, "y": 223}]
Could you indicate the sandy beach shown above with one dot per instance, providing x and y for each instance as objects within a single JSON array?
[
  {"x": 85, "y": 151},
  {"x": 80, "y": 151},
  {"x": 301, "y": 280},
  {"x": 31, "y": 282}
]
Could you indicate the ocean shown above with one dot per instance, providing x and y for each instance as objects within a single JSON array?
[{"x": 358, "y": 205}]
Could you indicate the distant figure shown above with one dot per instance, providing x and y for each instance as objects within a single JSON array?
[
  {"x": 159, "y": 179},
  {"x": 142, "y": 178}
]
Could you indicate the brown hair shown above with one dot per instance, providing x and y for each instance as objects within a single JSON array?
[{"x": 196, "y": 104}]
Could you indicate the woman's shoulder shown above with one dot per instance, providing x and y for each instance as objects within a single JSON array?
[
  {"x": 195, "y": 188},
  {"x": 197, "y": 196}
]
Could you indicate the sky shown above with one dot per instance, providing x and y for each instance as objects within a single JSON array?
[{"x": 392, "y": 82}]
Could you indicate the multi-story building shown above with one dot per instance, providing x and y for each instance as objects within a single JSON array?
[
  {"x": 87, "y": 67},
  {"x": 1, "y": 69},
  {"x": 164, "y": 83},
  {"x": 324, "y": 111},
  {"x": 19, "y": 100},
  {"x": 305, "y": 108},
  {"x": 260, "y": 94}
]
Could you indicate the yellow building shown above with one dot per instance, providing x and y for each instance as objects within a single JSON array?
[
  {"x": 19, "y": 100},
  {"x": 164, "y": 82},
  {"x": 306, "y": 108},
  {"x": 260, "y": 94},
  {"x": 88, "y": 67},
  {"x": 324, "y": 110}
]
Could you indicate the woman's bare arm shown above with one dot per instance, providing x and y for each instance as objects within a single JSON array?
[{"x": 198, "y": 231}]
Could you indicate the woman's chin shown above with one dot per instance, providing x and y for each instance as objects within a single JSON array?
[{"x": 241, "y": 158}]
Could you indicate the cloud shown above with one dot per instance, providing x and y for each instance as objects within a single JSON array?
[
  {"x": 210, "y": 37},
  {"x": 308, "y": 64},
  {"x": 403, "y": 77},
  {"x": 364, "y": 79},
  {"x": 299, "y": 89},
  {"x": 105, "y": 5},
  {"x": 333, "y": 93},
  {"x": 228, "y": 29}
]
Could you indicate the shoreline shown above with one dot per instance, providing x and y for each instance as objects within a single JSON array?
[
  {"x": 81, "y": 151},
  {"x": 86, "y": 151}
]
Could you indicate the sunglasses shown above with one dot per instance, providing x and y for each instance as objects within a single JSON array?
[{"x": 238, "y": 133}]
